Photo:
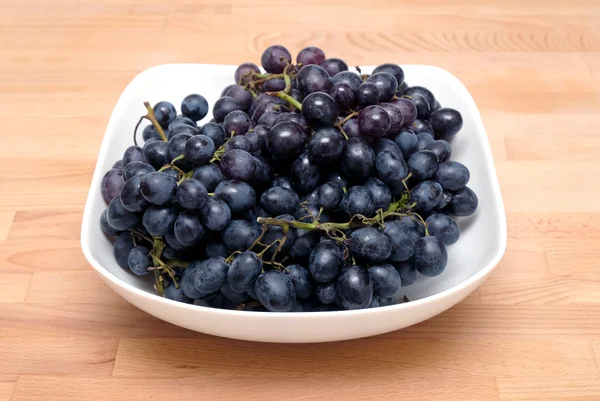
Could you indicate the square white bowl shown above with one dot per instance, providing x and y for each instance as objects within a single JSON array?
[{"x": 470, "y": 260}]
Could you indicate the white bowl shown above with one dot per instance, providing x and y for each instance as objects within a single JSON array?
[{"x": 470, "y": 260}]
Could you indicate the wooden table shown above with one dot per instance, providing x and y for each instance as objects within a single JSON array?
[{"x": 531, "y": 332}]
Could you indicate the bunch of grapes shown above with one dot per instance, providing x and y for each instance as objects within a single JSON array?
[{"x": 313, "y": 188}]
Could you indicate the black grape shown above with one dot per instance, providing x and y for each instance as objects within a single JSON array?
[
  {"x": 408, "y": 143},
  {"x": 245, "y": 69},
  {"x": 268, "y": 118},
  {"x": 300, "y": 278},
  {"x": 423, "y": 99},
  {"x": 122, "y": 246},
  {"x": 330, "y": 195},
  {"x": 407, "y": 271},
  {"x": 211, "y": 274},
  {"x": 236, "y": 123},
  {"x": 446, "y": 122},
  {"x": 275, "y": 291},
  {"x": 396, "y": 118},
  {"x": 386, "y": 85},
  {"x": 215, "y": 132},
  {"x": 408, "y": 111},
  {"x": 357, "y": 159},
  {"x": 120, "y": 218},
  {"x": 158, "y": 188},
  {"x": 374, "y": 121},
  {"x": 426, "y": 195},
  {"x": 209, "y": 175},
  {"x": 275, "y": 58},
  {"x": 320, "y": 109},
  {"x": 325, "y": 262},
  {"x": 194, "y": 106},
  {"x": 132, "y": 154},
  {"x": 199, "y": 150},
  {"x": 423, "y": 164},
  {"x": 238, "y": 195},
  {"x": 358, "y": 200},
  {"x": 343, "y": 94},
  {"x": 280, "y": 200},
  {"x": 351, "y": 79},
  {"x": 334, "y": 66},
  {"x": 404, "y": 240},
  {"x": 240, "y": 234},
  {"x": 381, "y": 193},
  {"x": 244, "y": 271},
  {"x": 188, "y": 229},
  {"x": 393, "y": 69},
  {"x": 305, "y": 173},
  {"x": 158, "y": 220},
  {"x": 430, "y": 256},
  {"x": 182, "y": 120},
  {"x": 310, "y": 55},
  {"x": 131, "y": 196},
  {"x": 312, "y": 78},
  {"x": 242, "y": 96},
  {"x": 391, "y": 168},
  {"x": 164, "y": 112},
  {"x": 421, "y": 126},
  {"x": 367, "y": 94},
  {"x": 425, "y": 140},
  {"x": 139, "y": 260},
  {"x": 240, "y": 165},
  {"x": 452, "y": 175},
  {"x": 216, "y": 249},
  {"x": 274, "y": 85},
  {"x": 443, "y": 227},
  {"x": 325, "y": 145},
  {"x": 463, "y": 203},
  {"x": 293, "y": 117},
  {"x": 238, "y": 142},
  {"x": 386, "y": 280},
  {"x": 215, "y": 214},
  {"x": 286, "y": 140},
  {"x": 441, "y": 148},
  {"x": 176, "y": 294},
  {"x": 224, "y": 106},
  {"x": 136, "y": 168},
  {"x": 326, "y": 292},
  {"x": 370, "y": 244},
  {"x": 157, "y": 153},
  {"x": 355, "y": 288},
  {"x": 111, "y": 184},
  {"x": 106, "y": 228}
]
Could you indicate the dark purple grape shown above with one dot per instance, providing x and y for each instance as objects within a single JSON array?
[
  {"x": 132, "y": 154},
  {"x": 343, "y": 94},
  {"x": 255, "y": 141},
  {"x": 240, "y": 234},
  {"x": 334, "y": 66},
  {"x": 182, "y": 120},
  {"x": 215, "y": 132},
  {"x": 305, "y": 173},
  {"x": 120, "y": 218},
  {"x": 242, "y": 96},
  {"x": 446, "y": 197},
  {"x": 195, "y": 107},
  {"x": 244, "y": 70},
  {"x": 181, "y": 129},
  {"x": 358, "y": 200},
  {"x": 158, "y": 188},
  {"x": 176, "y": 294},
  {"x": 446, "y": 122},
  {"x": 275, "y": 58},
  {"x": 280, "y": 200},
  {"x": 351, "y": 129},
  {"x": 386, "y": 85},
  {"x": 452, "y": 175},
  {"x": 444, "y": 227},
  {"x": 423, "y": 99},
  {"x": 464, "y": 202},
  {"x": 149, "y": 133},
  {"x": 426, "y": 195},
  {"x": 319, "y": 109},
  {"x": 158, "y": 220},
  {"x": 370, "y": 244},
  {"x": 382, "y": 144},
  {"x": 300, "y": 278},
  {"x": 187, "y": 229},
  {"x": 244, "y": 271},
  {"x": 274, "y": 85},
  {"x": 215, "y": 214},
  {"x": 408, "y": 111},
  {"x": 303, "y": 245},
  {"x": 325, "y": 262},
  {"x": 381, "y": 193},
  {"x": 263, "y": 108},
  {"x": 391, "y": 168},
  {"x": 367, "y": 94},
  {"x": 421, "y": 126},
  {"x": 442, "y": 149},
  {"x": 111, "y": 184},
  {"x": 187, "y": 281},
  {"x": 296, "y": 94},
  {"x": 122, "y": 246},
  {"x": 172, "y": 241},
  {"x": 265, "y": 99},
  {"x": 402, "y": 88},
  {"x": 404, "y": 240},
  {"x": 396, "y": 119},
  {"x": 211, "y": 275},
  {"x": 393, "y": 69},
  {"x": 408, "y": 142},
  {"x": 325, "y": 292},
  {"x": 285, "y": 182},
  {"x": 136, "y": 168},
  {"x": 423, "y": 164},
  {"x": 236, "y": 123},
  {"x": 286, "y": 140},
  {"x": 431, "y": 256},
  {"x": 265, "y": 172},
  {"x": 355, "y": 288},
  {"x": 293, "y": 117},
  {"x": 325, "y": 145},
  {"x": 199, "y": 150},
  {"x": 224, "y": 106},
  {"x": 351, "y": 79},
  {"x": 216, "y": 249},
  {"x": 177, "y": 144},
  {"x": 407, "y": 271},
  {"x": 268, "y": 118},
  {"x": 209, "y": 175},
  {"x": 191, "y": 194},
  {"x": 131, "y": 196},
  {"x": 312, "y": 78},
  {"x": 164, "y": 112},
  {"x": 310, "y": 55},
  {"x": 238, "y": 142},
  {"x": 239, "y": 196},
  {"x": 330, "y": 195},
  {"x": 106, "y": 228},
  {"x": 357, "y": 159},
  {"x": 275, "y": 291},
  {"x": 424, "y": 140},
  {"x": 139, "y": 260},
  {"x": 337, "y": 178},
  {"x": 240, "y": 165},
  {"x": 386, "y": 280}
]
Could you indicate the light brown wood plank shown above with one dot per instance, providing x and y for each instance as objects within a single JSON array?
[
  {"x": 6, "y": 390},
  {"x": 14, "y": 286},
  {"x": 70, "y": 287},
  {"x": 574, "y": 388}
]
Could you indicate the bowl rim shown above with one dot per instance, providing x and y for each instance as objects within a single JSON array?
[{"x": 500, "y": 212}]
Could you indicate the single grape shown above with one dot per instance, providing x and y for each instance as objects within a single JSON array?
[
  {"x": 370, "y": 244},
  {"x": 136, "y": 168},
  {"x": 275, "y": 291},
  {"x": 325, "y": 262},
  {"x": 209, "y": 175},
  {"x": 402, "y": 88},
  {"x": 355, "y": 288},
  {"x": 422, "y": 126},
  {"x": 182, "y": 120},
  {"x": 188, "y": 229},
  {"x": 120, "y": 218},
  {"x": 241, "y": 95},
  {"x": 223, "y": 92},
  {"x": 393, "y": 69},
  {"x": 310, "y": 55},
  {"x": 263, "y": 108},
  {"x": 441, "y": 148},
  {"x": 296, "y": 94},
  {"x": 239, "y": 196},
  {"x": 303, "y": 245},
  {"x": 380, "y": 145},
  {"x": 446, "y": 197},
  {"x": 386, "y": 280},
  {"x": 423, "y": 100},
  {"x": 325, "y": 145},
  {"x": 351, "y": 79},
  {"x": 404, "y": 240},
  {"x": 407, "y": 271},
  {"x": 444, "y": 227},
  {"x": 212, "y": 275},
  {"x": 177, "y": 147},
  {"x": 413, "y": 223},
  {"x": 238, "y": 164},
  {"x": 343, "y": 94},
  {"x": 274, "y": 85},
  {"x": 326, "y": 292},
  {"x": 446, "y": 122},
  {"x": 300, "y": 278},
  {"x": 286, "y": 140},
  {"x": 396, "y": 119},
  {"x": 358, "y": 200},
  {"x": 426, "y": 195},
  {"x": 106, "y": 228},
  {"x": 319, "y": 109},
  {"x": 139, "y": 260},
  {"x": 267, "y": 99},
  {"x": 293, "y": 117},
  {"x": 430, "y": 256},
  {"x": 351, "y": 128},
  {"x": 164, "y": 112},
  {"x": 224, "y": 106},
  {"x": 131, "y": 196},
  {"x": 199, "y": 150},
  {"x": 122, "y": 246},
  {"x": 357, "y": 159},
  {"x": 158, "y": 220},
  {"x": 149, "y": 133},
  {"x": 158, "y": 188},
  {"x": 275, "y": 58},
  {"x": 381, "y": 193},
  {"x": 367, "y": 94},
  {"x": 463, "y": 203},
  {"x": 408, "y": 111},
  {"x": 312, "y": 78},
  {"x": 374, "y": 121},
  {"x": 217, "y": 249},
  {"x": 176, "y": 294},
  {"x": 408, "y": 143},
  {"x": 279, "y": 200},
  {"x": 194, "y": 106},
  {"x": 275, "y": 233},
  {"x": 305, "y": 173},
  {"x": 425, "y": 140},
  {"x": 172, "y": 241},
  {"x": 255, "y": 141},
  {"x": 423, "y": 164},
  {"x": 132, "y": 154},
  {"x": 268, "y": 118},
  {"x": 240, "y": 234},
  {"x": 215, "y": 132},
  {"x": 337, "y": 178},
  {"x": 237, "y": 123},
  {"x": 452, "y": 175},
  {"x": 157, "y": 153},
  {"x": 111, "y": 184},
  {"x": 391, "y": 168},
  {"x": 243, "y": 271},
  {"x": 244, "y": 70},
  {"x": 188, "y": 279},
  {"x": 334, "y": 66},
  {"x": 386, "y": 85},
  {"x": 330, "y": 196},
  {"x": 264, "y": 170},
  {"x": 215, "y": 214}
]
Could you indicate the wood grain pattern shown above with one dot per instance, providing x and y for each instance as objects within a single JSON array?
[{"x": 530, "y": 332}]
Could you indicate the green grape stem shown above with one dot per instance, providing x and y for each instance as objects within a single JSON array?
[
  {"x": 150, "y": 116},
  {"x": 287, "y": 98}
]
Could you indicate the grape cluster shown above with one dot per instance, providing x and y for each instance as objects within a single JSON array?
[{"x": 313, "y": 188}]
